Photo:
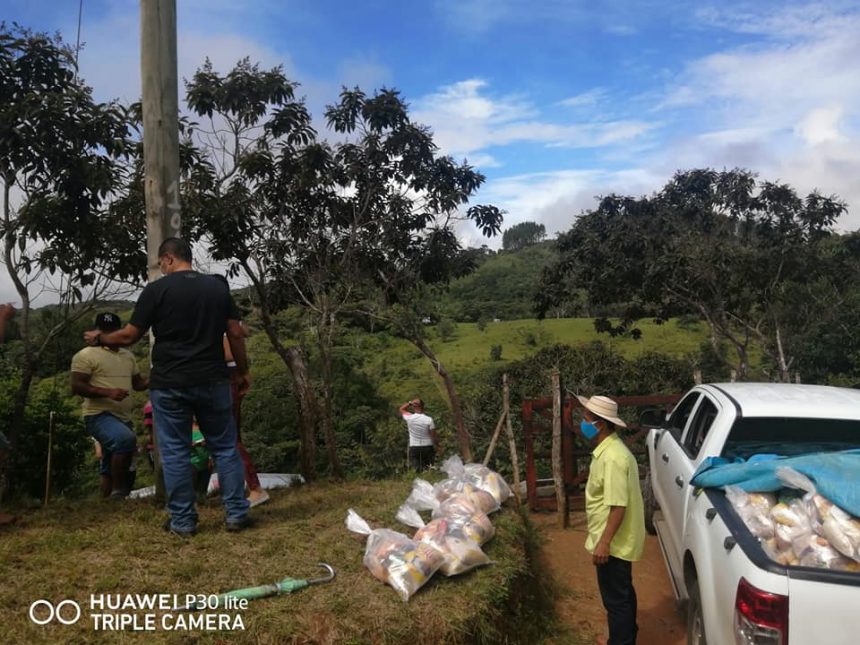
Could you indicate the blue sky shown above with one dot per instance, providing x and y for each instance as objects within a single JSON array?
[{"x": 555, "y": 101}]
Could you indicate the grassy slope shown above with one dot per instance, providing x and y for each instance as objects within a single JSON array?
[
  {"x": 73, "y": 550},
  {"x": 399, "y": 368}
]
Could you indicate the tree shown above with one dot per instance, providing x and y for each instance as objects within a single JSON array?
[
  {"x": 256, "y": 129},
  {"x": 521, "y": 235},
  {"x": 61, "y": 159},
  {"x": 715, "y": 243},
  {"x": 409, "y": 199},
  {"x": 327, "y": 226}
]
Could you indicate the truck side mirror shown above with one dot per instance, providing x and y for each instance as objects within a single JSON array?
[{"x": 652, "y": 418}]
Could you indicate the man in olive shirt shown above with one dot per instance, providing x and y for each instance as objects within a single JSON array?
[
  {"x": 104, "y": 376},
  {"x": 615, "y": 516}
]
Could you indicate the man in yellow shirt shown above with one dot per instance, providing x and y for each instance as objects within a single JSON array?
[
  {"x": 104, "y": 376},
  {"x": 615, "y": 515}
]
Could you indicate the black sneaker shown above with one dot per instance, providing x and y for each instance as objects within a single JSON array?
[
  {"x": 234, "y": 526},
  {"x": 181, "y": 533}
]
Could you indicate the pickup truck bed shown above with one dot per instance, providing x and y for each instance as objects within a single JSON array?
[{"x": 735, "y": 592}]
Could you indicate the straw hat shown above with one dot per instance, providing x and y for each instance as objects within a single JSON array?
[{"x": 604, "y": 407}]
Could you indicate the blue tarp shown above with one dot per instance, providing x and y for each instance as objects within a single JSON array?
[{"x": 836, "y": 475}]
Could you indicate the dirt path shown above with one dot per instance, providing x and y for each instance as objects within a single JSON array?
[{"x": 579, "y": 604}]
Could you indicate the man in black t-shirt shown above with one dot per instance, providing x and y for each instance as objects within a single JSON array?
[{"x": 189, "y": 313}]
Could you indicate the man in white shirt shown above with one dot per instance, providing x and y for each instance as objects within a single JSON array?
[{"x": 423, "y": 440}]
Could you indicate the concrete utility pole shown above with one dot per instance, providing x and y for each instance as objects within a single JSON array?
[
  {"x": 160, "y": 93},
  {"x": 160, "y": 125}
]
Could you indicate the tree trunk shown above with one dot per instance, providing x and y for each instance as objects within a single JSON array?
[
  {"x": 19, "y": 403},
  {"x": 324, "y": 336},
  {"x": 463, "y": 439},
  {"x": 784, "y": 367},
  {"x": 294, "y": 359}
]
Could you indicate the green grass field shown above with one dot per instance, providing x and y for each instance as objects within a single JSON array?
[
  {"x": 75, "y": 549},
  {"x": 398, "y": 367}
]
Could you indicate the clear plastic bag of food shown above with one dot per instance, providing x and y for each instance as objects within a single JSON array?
[
  {"x": 815, "y": 551},
  {"x": 479, "y": 476},
  {"x": 458, "y": 508},
  {"x": 422, "y": 497},
  {"x": 775, "y": 552},
  {"x": 752, "y": 510},
  {"x": 488, "y": 480},
  {"x": 395, "y": 558},
  {"x": 449, "y": 537},
  {"x": 842, "y": 531},
  {"x": 451, "y": 486}
]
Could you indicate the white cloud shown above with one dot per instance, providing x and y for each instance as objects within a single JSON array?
[
  {"x": 585, "y": 99},
  {"x": 466, "y": 119},
  {"x": 787, "y": 107},
  {"x": 556, "y": 198},
  {"x": 820, "y": 125}
]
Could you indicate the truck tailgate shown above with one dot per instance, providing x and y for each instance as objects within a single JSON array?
[{"x": 823, "y": 612}]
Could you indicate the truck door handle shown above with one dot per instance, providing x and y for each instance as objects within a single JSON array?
[
  {"x": 665, "y": 457},
  {"x": 679, "y": 482}
]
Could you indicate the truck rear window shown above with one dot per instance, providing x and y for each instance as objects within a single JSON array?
[{"x": 790, "y": 436}]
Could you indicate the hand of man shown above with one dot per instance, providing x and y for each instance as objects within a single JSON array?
[
  {"x": 117, "y": 394},
  {"x": 601, "y": 554},
  {"x": 91, "y": 337},
  {"x": 7, "y": 311},
  {"x": 243, "y": 385}
]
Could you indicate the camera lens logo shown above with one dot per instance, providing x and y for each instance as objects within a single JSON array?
[{"x": 67, "y": 612}]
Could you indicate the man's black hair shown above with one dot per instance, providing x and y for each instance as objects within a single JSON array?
[{"x": 176, "y": 247}]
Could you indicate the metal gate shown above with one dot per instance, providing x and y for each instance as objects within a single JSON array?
[{"x": 537, "y": 431}]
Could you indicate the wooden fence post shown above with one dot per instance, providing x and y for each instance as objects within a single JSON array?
[
  {"x": 558, "y": 480},
  {"x": 512, "y": 444},
  {"x": 697, "y": 377}
]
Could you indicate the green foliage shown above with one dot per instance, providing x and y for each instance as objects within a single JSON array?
[
  {"x": 28, "y": 458},
  {"x": 521, "y": 235},
  {"x": 63, "y": 162},
  {"x": 502, "y": 286},
  {"x": 714, "y": 243},
  {"x": 495, "y": 352},
  {"x": 446, "y": 329}
]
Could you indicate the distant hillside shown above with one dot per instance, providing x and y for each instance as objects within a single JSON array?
[{"x": 501, "y": 287}]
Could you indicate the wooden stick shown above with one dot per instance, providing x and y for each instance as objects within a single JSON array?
[
  {"x": 512, "y": 444},
  {"x": 495, "y": 438},
  {"x": 50, "y": 450}
]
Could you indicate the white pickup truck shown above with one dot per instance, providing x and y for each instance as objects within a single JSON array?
[{"x": 734, "y": 593}]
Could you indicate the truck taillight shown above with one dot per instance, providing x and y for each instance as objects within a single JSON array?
[{"x": 761, "y": 618}]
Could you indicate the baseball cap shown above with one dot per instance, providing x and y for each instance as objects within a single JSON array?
[{"x": 107, "y": 321}]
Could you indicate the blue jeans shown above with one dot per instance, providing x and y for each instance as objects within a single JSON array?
[
  {"x": 173, "y": 410},
  {"x": 115, "y": 436}
]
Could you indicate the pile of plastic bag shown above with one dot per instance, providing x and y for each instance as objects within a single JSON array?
[
  {"x": 450, "y": 542},
  {"x": 798, "y": 526}
]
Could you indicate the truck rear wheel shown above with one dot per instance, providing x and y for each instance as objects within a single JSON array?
[
  {"x": 695, "y": 618},
  {"x": 649, "y": 502}
]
